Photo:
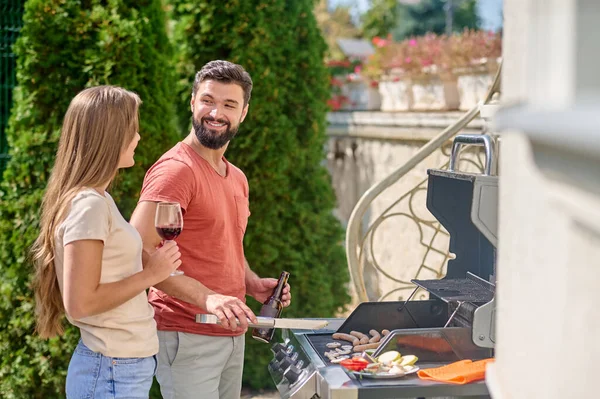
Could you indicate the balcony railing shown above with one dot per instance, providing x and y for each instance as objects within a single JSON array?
[{"x": 365, "y": 243}]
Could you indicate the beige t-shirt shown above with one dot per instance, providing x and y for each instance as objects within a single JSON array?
[{"x": 129, "y": 330}]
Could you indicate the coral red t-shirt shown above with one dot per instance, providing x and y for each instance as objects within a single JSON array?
[{"x": 215, "y": 215}]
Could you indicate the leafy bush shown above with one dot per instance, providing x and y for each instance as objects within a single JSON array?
[
  {"x": 279, "y": 146},
  {"x": 64, "y": 47}
]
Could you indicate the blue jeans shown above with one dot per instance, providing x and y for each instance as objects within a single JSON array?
[{"x": 92, "y": 375}]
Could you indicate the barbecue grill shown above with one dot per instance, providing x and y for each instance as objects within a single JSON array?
[{"x": 455, "y": 323}]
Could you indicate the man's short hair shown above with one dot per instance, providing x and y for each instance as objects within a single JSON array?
[{"x": 225, "y": 72}]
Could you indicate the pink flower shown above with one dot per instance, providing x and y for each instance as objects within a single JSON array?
[
  {"x": 407, "y": 60},
  {"x": 333, "y": 104},
  {"x": 357, "y": 69},
  {"x": 412, "y": 42},
  {"x": 336, "y": 82},
  {"x": 379, "y": 42}
]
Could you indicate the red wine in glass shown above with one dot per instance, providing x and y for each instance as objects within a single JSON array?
[
  {"x": 169, "y": 223},
  {"x": 168, "y": 232}
]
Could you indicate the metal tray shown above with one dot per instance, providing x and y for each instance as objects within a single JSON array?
[{"x": 382, "y": 376}]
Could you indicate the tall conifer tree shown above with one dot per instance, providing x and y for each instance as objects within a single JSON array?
[
  {"x": 64, "y": 47},
  {"x": 279, "y": 146}
]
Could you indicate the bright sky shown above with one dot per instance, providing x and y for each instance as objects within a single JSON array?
[{"x": 490, "y": 11}]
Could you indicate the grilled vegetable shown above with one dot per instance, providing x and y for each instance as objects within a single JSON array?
[
  {"x": 354, "y": 364},
  {"x": 397, "y": 370},
  {"x": 339, "y": 359},
  {"x": 408, "y": 360},
  {"x": 389, "y": 357}
]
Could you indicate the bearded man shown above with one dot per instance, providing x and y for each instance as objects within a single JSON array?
[{"x": 202, "y": 360}]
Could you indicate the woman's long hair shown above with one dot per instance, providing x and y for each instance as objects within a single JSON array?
[{"x": 99, "y": 125}]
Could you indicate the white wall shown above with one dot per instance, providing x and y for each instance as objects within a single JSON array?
[{"x": 548, "y": 319}]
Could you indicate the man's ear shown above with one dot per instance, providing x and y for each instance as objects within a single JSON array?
[
  {"x": 192, "y": 103},
  {"x": 244, "y": 113}
]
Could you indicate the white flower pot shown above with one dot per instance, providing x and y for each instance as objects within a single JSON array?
[
  {"x": 472, "y": 88},
  {"x": 396, "y": 95},
  {"x": 435, "y": 94},
  {"x": 361, "y": 96}
]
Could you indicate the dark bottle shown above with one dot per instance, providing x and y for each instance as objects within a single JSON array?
[{"x": 271, "y": 308}]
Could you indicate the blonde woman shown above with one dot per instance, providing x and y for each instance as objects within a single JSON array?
[{"x": 88, "y": 259}]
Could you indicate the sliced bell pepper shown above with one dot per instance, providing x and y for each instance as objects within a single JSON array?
[{"x": 354, "y": 364}]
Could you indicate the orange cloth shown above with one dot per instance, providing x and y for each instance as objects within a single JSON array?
[{"x": 461, "y": 372}]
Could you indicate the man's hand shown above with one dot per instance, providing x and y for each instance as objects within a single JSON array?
[
  {"x": 227, "y": 309},
  {"x": 262, "y": 288}
]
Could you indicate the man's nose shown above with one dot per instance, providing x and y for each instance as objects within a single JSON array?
[{"x": 215, "y": 112}]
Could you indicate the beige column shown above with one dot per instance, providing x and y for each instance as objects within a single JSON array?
[{"x": 548, "y": 287}]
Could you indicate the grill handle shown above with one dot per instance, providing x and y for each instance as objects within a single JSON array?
[{"x": 475, "y": 139}]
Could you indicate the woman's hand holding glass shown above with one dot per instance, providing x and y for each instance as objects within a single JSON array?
[
  {"x": 164, "y": 261},
  {"x": 168, "y": 221}
]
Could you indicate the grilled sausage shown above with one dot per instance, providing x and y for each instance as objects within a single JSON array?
[
  {"x": 346, "y": 337},
  {"x": 362, "y": 348},
  {"x": 385, "y": 332},
  {"x": 364, "y": 339},
  {"x": 376, "y": 337}
]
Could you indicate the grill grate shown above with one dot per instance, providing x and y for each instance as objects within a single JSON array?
[
  {"x": 319, "y": 344},
  {"x": 471, "y": 289}
]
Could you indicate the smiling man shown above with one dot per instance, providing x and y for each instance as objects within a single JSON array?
[{"x": 201, "y": 360}]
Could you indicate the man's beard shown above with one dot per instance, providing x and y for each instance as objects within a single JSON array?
[{"x": 211, "y": 138}]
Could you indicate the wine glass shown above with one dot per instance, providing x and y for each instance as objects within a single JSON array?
[{"x": 169, "y": 223}]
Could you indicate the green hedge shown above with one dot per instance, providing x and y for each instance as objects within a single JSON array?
[
  {"x": 64, "y": 47},
  {"x": 68, "y": 45},
  {"x": 11, "y": 20},
  {"x": 279, "y": 146}
]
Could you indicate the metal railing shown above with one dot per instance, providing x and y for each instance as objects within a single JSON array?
[{"x": 360, "y": 242}]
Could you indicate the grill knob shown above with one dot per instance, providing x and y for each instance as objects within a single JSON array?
[
  {"x": 273, "y": 364},
  {"x": 292, "y": 374},
  {"x": 279, "y": 356},
  {"x": 284, "y": 364},
  {"x": 278, "y": 347}
]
